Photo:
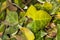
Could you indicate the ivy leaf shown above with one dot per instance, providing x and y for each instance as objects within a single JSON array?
[
  {"x": 37, "y": 14},
  {"x": 11, "y": 18},
  {"x": 41, "y": 18}
]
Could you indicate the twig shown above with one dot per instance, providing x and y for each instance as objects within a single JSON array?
[
  {"x": 18, "y": 7},
  {"x": 9, "y": 2}
]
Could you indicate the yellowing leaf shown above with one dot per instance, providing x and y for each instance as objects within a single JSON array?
[
  {"x": 40, "y": 18},
  {"x": 37, "y": 15},
  {"x": 31, "y": 12},
  {"x": 42, "y": 15},
  {"x": 29, "y": 35}
]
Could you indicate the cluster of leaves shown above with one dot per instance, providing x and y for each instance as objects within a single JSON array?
[{"x": 29, "y": 19}]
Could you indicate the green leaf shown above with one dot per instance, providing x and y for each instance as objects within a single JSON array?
[
  {"x": 12, "y": 18},
  {"x": 21, "y": 14},
  {"x": 57, "y": 21},
  {"x": 47, "y": 6},
  {"x": 39, "y": 35},
  {"x": 34, "y": 26},
  {"x": 11, "y": 30},
  {"x": 43, "y": 33},
  {"x": 38, "y": 6}
]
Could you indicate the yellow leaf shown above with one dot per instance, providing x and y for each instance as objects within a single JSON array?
[
  {"x": 37, "y": 14},
  {"x": 31, "y": 12},
  {"x": 29, "y": 35}
]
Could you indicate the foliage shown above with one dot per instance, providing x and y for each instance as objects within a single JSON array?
[{"x": 29, "y": 19}]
